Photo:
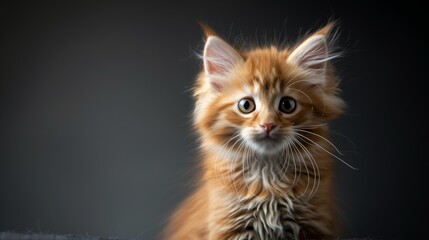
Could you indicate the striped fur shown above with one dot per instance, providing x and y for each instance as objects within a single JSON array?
[{"x": 253, "y": 187}]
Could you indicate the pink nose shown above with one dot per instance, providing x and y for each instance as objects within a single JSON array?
[{"x": 267, "y": 126}]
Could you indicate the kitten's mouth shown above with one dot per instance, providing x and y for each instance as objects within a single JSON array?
[
  {"x": 267, "y": 144},
  {"x": 266, "y": 138},
  {"x": 267, "y": 141}
]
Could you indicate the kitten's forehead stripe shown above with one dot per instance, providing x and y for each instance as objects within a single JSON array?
[{"x": 266, "y": 81}]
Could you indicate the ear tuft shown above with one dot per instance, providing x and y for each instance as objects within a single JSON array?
[
  {"x": 207, "y": 30},
  {"x": 220, "y": 59},
  {"x": 312, "y": 54}
]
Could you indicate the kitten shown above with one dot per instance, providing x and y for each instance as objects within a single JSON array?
[{"x": 266, "y": 162}]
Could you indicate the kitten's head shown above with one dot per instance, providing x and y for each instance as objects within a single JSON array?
[{"x": 262, "y": 101}]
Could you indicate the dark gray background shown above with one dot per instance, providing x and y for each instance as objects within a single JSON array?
[{"x": 95, "y": 133}]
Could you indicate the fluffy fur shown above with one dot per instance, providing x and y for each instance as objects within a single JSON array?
[{"x": 266, "y": 174}]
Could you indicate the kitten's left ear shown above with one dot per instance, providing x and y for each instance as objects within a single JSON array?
[{"x": 313, "y": 55}]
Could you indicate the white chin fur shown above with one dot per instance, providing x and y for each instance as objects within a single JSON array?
[
  {"x": 266, "y": 148},
  {"x": 260, "y": 146}
]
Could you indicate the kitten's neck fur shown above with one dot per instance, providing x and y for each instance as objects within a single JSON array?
[{"x": 282, "y": 174}]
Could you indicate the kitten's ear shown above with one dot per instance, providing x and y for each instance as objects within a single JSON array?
[
  {"x": 220, "y": 60},
  {"x": 313, "y": 54}
]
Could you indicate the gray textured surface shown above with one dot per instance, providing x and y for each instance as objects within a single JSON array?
[{"x": 49, "y": 236}]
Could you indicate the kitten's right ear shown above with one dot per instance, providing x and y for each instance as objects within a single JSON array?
[{"x": 220, "y": 59}]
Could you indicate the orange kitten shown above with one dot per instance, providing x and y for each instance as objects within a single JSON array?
[{"x": 267, "y": 170}]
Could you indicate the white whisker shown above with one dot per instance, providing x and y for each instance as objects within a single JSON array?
[
  {"x": 313, "y": 162},
  {"x": 333, "y": 155},
  {"x": 295, "y": 89},
  {"x": 311, "y": 126},
  {"x": 305, "y": 165},
  {"x": 320, "y": 136},
  {"x": 286, "y": 149},
  {"x": 318, "y": 86},
  {"x": 224, "y": 148},
  {"x": 295, "y": 175},
  {"x": 234, "y": 162}
]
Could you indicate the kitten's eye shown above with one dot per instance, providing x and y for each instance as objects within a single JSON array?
[
  {"x": 246, "y": 105},
  {"x": 287, "y": 105}
]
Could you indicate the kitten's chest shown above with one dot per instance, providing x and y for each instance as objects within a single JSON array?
[{"x": 271, "y": 217}]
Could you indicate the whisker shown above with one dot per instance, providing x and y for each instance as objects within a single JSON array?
[
  {"x": 313, "y": 162},
  {"x": 348, "y": 140},
  {"x": 320, "y": 136},
  {"x": 223, "y": 148},
  {"x": 291, "y": 81},
  {"x": 247, "y": 158},
  {"x": 305, "y": 165},
  {"x": 317, "y": 85},
  {"x": 285, "y": 161},
  {"x": 244, "y": 167},
  {"x": 333, "y": 155},
  {"x": 234, "y": 161},
  {"x": 296, "y": 176},
  {"x": 288, "y": 157},
  {"x": 310, "y": 126},
  {"x": 237, "y": 155},
  {"x": 303, "y": 94}
]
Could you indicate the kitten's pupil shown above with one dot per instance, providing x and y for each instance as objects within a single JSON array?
[
  {"x": 287, "y": 105},
  {"x": 246, "y": 105}
]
